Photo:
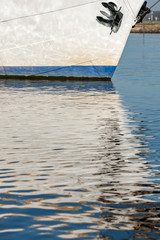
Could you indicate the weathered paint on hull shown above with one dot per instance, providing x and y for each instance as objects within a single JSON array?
[
  {"x": 61, "y": 38},
  {"x": 98, "y": 72}
]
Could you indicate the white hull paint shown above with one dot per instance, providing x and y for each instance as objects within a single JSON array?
[{"x": 61, "y": 38}]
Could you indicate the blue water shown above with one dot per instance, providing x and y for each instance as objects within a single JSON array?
[{"x": 81, "y": 160}]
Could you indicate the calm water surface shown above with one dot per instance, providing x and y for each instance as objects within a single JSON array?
[{"x": 81, "y": 160}]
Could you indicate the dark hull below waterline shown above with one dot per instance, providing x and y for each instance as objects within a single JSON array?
[{"x": 52, "y": 78}]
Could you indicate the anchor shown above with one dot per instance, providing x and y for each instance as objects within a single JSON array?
[{"x": 113, "y": 19}]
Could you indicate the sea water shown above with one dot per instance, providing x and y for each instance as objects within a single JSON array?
[{"x": 81, "y": 160}]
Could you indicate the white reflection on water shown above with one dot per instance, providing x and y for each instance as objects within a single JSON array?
[{"x": 70, "y": 162}]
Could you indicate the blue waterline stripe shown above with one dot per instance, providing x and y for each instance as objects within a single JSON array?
[{"x": 68, "y": 71}]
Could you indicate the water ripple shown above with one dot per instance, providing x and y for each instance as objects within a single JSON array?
[{"x": 74, "y": 164}]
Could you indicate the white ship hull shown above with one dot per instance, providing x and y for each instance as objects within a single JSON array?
[{"x": 59, "y": 38}]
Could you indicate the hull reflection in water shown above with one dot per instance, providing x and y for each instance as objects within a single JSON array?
[{"x": 72, "y": 164}]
